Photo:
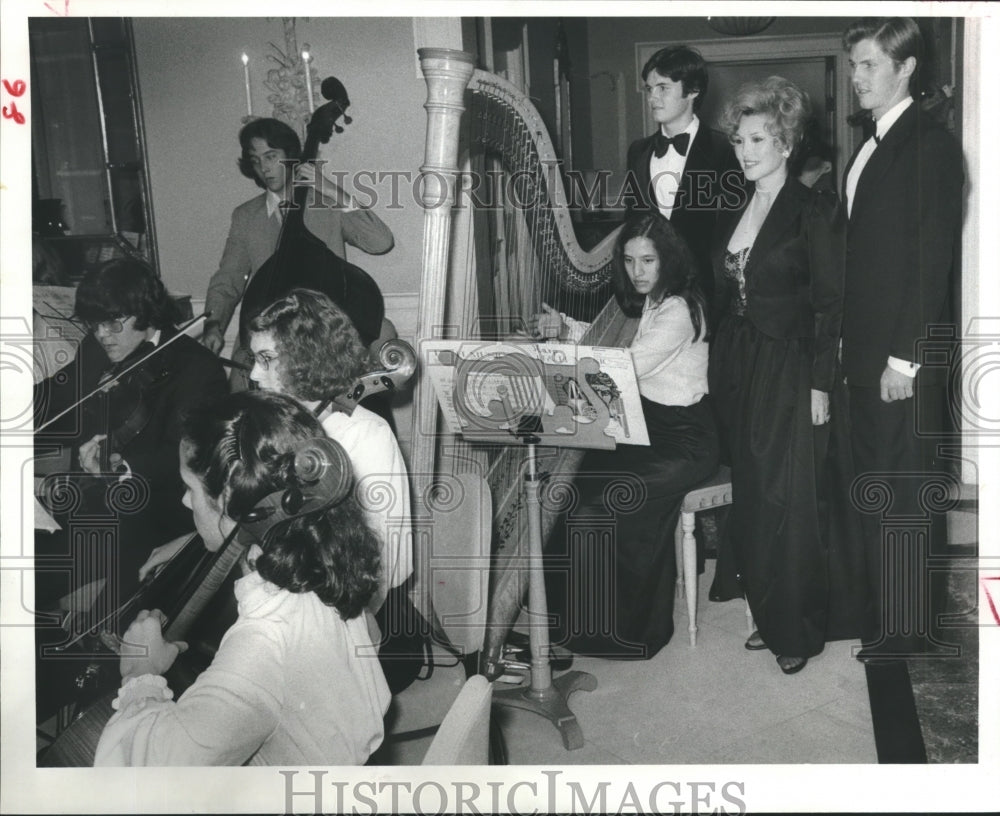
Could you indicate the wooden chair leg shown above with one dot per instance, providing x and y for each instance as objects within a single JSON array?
[
  {"x": 690, "y": 574},
  {"x": 679, "y": 555}
]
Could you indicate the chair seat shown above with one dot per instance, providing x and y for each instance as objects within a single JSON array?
[{"x": 714, "y": 492}]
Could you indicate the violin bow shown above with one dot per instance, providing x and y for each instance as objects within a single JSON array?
[{"x": 103, "y": 386}]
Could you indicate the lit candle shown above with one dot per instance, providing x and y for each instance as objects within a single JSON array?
[
  {"x": 246, "y": 82},
  {"x": 306, "y": 64}
]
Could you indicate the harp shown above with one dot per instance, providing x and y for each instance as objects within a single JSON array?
[{"x": 498, "y": 241}]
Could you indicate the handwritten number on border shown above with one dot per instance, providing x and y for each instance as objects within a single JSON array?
[{"x": 16, "y": 89}]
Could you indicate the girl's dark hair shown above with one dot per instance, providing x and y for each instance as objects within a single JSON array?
[
  {"x": 242, "y": 447},
  {"x": 678, "y": 273},
  {"x": 122, "y": 287},
  {"x": 320, "y": 350},
  {"x": 276, "y": 134}
]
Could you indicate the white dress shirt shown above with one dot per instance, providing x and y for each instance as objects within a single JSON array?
[
  {"x": 667, "y": 170},
  {"x": 671, "y": 365}
]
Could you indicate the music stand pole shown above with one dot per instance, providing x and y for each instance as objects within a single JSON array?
[{"x": 543, "y": 695}]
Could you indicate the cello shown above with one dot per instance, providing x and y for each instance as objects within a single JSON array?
[
  {"x": 301, "y": 260},
  {"x": 185, "y": 585},
  {"x": 322, "y": 478}
]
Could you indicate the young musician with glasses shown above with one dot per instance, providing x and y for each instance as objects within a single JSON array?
[
  {"x": 305, "y": 346},
  {"x": 129, "y": 430}
]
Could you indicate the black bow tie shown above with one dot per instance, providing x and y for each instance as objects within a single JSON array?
[
  {"x": 868, "y": 129},
  {"x": 661, "y": 143}
]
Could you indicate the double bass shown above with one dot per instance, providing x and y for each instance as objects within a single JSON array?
[{"x": 301, "y": 260}]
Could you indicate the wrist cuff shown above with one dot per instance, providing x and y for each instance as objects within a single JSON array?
[
  {"x": 903, "y": 366},
  {"x": 143, "y": 688}
]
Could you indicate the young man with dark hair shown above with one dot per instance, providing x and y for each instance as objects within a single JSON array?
[
  {"x": 686, "y": 170},
  {"x": 129, "y": 314},
  {"x": 902, "y": 195},
  {"x": 267, "y": 145},
  {"x": 122, "y": 494}
]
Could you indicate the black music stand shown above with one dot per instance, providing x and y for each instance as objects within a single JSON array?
[{"x": 521, "y": 411}]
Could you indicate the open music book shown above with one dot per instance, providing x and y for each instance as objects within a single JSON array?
[{"x": 565, "y": 394}]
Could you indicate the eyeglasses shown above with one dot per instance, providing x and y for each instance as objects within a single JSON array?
[
  {"x": 110, "y": 326},
  {"x": 265, "y": 359}
]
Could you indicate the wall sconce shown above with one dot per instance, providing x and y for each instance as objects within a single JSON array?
[
  {"x": 739, "y": 26},
  {"x": 291, "y": 82}
]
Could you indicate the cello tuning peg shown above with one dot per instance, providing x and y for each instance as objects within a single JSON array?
[{"x": 347, "y": 119}]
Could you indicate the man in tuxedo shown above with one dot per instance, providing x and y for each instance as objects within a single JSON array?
[
  {"x": 903, "y": 197},
  {"x": 686, "y": 170}
]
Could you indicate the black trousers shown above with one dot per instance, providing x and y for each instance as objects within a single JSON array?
[{"x": 903, "y": 490}]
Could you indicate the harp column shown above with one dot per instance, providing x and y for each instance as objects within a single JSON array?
[{"x": 447, "y": 73}]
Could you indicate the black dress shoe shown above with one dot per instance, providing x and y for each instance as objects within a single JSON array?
[
  {"x": 518, "y": 643},
  {"x": 792, "y": 668},
  {"x": 873, "y": 656},
  {"x": 755, "y": 642}
]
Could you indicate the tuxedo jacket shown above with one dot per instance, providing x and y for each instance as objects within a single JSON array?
[
  {"x": 711, "y": 183},
  {"x": 794, "y": 274},
  {"x": 903, "y": 236},
  {"x": 253, "y": 237}
]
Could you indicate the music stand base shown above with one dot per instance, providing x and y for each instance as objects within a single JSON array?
[{"x": 551, "y": 703}]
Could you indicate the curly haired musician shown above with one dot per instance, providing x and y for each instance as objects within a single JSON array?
[{"x": 295, "y": 680}]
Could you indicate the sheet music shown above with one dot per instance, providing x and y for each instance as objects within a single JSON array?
[
  {"x": 569, "y": 387},
  {"x": 43, "y": 519}
]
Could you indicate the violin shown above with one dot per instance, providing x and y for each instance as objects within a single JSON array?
[
  {"x": 122, "y": 410},
  {"x": 301, "y": 260},
  {"x": 106, "y": 385}
]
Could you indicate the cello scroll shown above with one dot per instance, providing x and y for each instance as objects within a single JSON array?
[{"x": 398, "y": 363}]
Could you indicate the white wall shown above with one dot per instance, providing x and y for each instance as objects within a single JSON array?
[
  {"x": 193, "y": 98},
  {"x": 191, "y": 82}
]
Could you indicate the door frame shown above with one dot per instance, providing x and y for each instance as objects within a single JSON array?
[{"x": 767, "y": 49}]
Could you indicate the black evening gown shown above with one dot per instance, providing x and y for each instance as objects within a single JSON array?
[
  {"x": 610, "y": 563},
  {"x": 792, "y": 537}
]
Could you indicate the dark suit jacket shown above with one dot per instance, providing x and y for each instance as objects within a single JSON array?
[
  {"x": 902, "y": 239},
  {"x": 712, "y": 182},
  {"x": 795, "y": 274},
  {"x": 184, "y": 374}
]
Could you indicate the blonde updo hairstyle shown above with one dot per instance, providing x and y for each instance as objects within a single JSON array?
[{"x": 785, "y": 106}]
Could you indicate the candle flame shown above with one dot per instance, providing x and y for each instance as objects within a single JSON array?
[
  {"x": 305, "y": 55},
  {"x": 245, "y": 58}
]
